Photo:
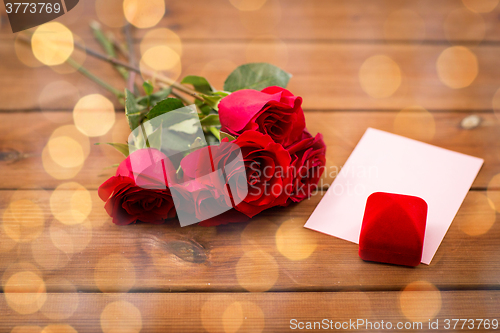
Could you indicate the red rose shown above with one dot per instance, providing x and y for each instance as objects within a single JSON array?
[
  {"x": 274, "y": 111},
  {"x": 308, "y": 164},
  {"x": 260, "y": 183},
  {"x": 139, "y": 191}
]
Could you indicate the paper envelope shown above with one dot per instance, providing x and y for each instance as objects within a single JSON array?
[{"x": 385, "y": 162}]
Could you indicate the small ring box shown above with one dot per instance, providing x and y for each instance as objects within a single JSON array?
[{"x": 393, "y": 229}]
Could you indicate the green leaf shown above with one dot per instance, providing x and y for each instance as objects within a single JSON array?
[
  {"x": 226, "y": 135},
  {"x": 199, "y": 83},
  {"x": 148, "y": 88},
  {"x": 154, "y": 98},
  {"x": 165, "y": 106},
  {"x": 121, "y": 147},
  {"x": 256, "y": 76},
  {"x": 204, "y": 108},
  {"x": 212, "y": 101},
  {"x": 210, "y": 120},
  {"x": 133, "y": 111}
]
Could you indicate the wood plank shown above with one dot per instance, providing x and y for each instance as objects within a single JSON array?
[
  {"x": 325, "y": 75},
  {"x": 299, "y": 20},
  {"x": 272, "y": 252},
  {"x": 251, "y": 312},
  {"x": 22, "y": 147}
]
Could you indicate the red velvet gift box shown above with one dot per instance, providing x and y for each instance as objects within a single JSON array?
[{"x": 393, "y": 229}]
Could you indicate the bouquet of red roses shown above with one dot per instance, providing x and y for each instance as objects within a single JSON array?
[{"x": 225, "y": 158}]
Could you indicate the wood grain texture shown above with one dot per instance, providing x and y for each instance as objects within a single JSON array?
[
  {"x": 299, "y": 20},
  {"x": 271, "y": 252},
  {"x": 326, "y": 75},
  {"x": 270, "y": 312},
  {"x": 21, "y": 147}
]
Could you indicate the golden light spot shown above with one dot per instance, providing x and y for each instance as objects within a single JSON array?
[
  {"x": 160, "y": 58},
  {"x": 480, "y": 6},
  {"x": 17, "y": 268},
  {"x": 415, "y": 122},
  {"x": 114, "y": 273},
  {"x": 25, "y": 292},
  {"x": 248, "y": 5},
  {"x": 161, "y": 37},
  {"x": 257, "y": 271},
  {"x": 144, "y": 14},
  {"x": 78, "y": 55},
  {"x": 57, "y": 95},
  {"x": 150, "y": 73},
  {"x": 55, "y": 170},
  {"x": 404, "y": 24},
  {"x": 72, "y": 132},
  {"x": 47, "y": 255},
  {"x": 6, "y": 243},
  {"x": 25, "y": 54},
  {"x": 258, "y": 234},
  {"x": 243, "y": 317},
  {"x": 496, "y": 103},
  {"x": 477, "y": 214},
  {"x": 213, "y": 310},
  {"x": 26, "y": 329},
  {"x": 294, "y": 241},
  {"x": 276, "y": 51},
  {"x": 70, "y": 203},
  {"x": 52, "y": 43},
  {"x": 66, "y": 152},
  {"x": 493, "y": 192},
  {"x": 63, "y": 303},
  {"x": 71, "y": 239},
  {"x": 420, "y": 301},
  {"x": 121, "y": 317},
  {"x": 457, "y": 67},
  {"x": 94, "y": 115},
  {"x": 23, "y": 221},
  {"x": 380, "y": 76},
  {"x": 463, "y": 25},
  {"x": 110, "y": 12},
  {"x": 59, "y": 328}
]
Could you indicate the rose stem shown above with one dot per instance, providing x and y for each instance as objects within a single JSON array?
[
  {"x": 131, "y": 57},
  {"x": 107, "y": 46}
]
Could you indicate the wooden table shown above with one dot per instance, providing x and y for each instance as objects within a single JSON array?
[{"x": 255, "y": 276}]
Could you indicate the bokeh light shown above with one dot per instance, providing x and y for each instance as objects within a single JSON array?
[
  {"x": 110, "y": 12},
  {"x": 114, "y": 273},
  {"x": 481, "y": 6},
  {"x": 477, "y": 214},
  {"x": 243, "y": 317},
  {"x": 59, "y": 328},
  {"x": 71, "y": 132},
  {"x": 57, "y": 95},
  {"x": 248, "y": 5},
  {"x": 464, "y": 25},
  {"x": 121, "y": 317},
  {"x": 23, "y": 220},
  {"x": 276, "y": 51},
  {"x": 294, "y": 241},
  {"x": 66, "y": 152},
  {"x": 404, "y": 24},
  {"x": 161, "y": 37},
  {"x": 55, "y": 170},
  {"x": 144, "y": 14},
  {"x": 415, "y": 122},
  {"x": 160, "y": 58},
  {"x": 420, "y": 301},
  {"x": 70, "y": 203},
  {"x": 258, "y": 234},
  {"x": 78, "y": 55},
  {"x": 457, "y": 67},
  {"x": 257, "y": 271},
  {"x": 25, "y": 292},
  {"x": 71, "y": 239},
  {"x": 493, "y": 192},
  {"x": 380, "y": 76},
  {"x": 52, "y": 43},
  {"x": 94, "y": 115},
  {"x": 63, "y": 303}
]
